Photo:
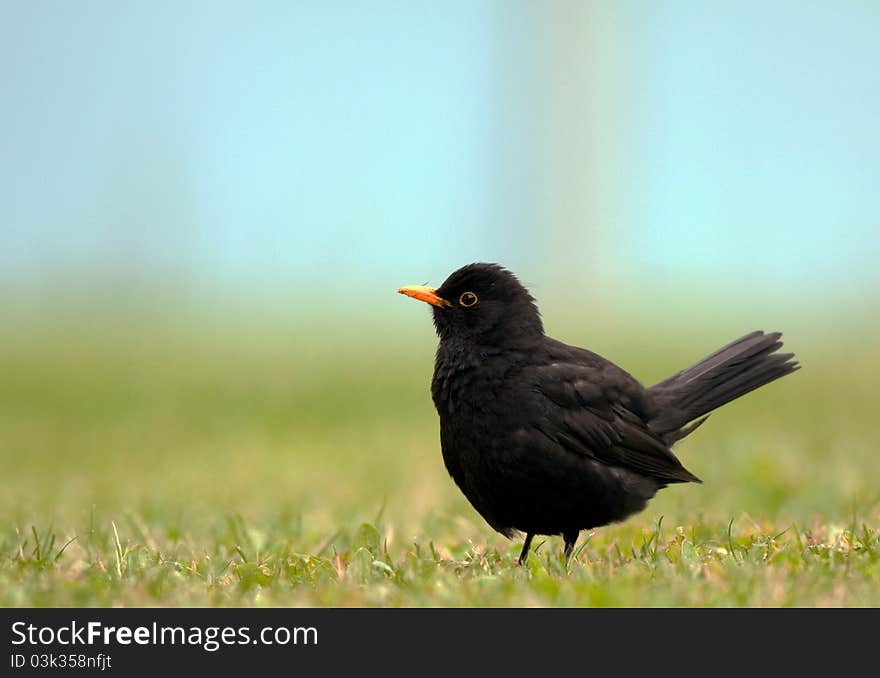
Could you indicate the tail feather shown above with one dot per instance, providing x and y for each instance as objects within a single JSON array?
[{"x": 728, "y": 373}]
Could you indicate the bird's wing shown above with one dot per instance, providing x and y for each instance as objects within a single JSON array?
[{"x": 594, "y": 410}]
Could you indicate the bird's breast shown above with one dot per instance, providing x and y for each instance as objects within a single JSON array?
[
  {"x": 479, "y": 401},
  {"x": 469, "y": 381}
]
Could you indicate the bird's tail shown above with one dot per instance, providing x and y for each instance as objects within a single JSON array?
[{"x": 738, "y": 368}]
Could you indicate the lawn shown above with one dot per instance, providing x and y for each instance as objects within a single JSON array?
[{"x": 201, "y": 461}]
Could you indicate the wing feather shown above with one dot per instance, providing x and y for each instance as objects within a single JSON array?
[{"x": 592, "y": 411}]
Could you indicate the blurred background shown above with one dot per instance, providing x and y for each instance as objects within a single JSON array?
[{"x": 206, "y": 210}]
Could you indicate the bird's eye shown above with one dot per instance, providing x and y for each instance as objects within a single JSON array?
[{"x": 467, "y": 299}]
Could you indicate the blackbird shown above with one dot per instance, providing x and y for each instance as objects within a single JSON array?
[{"x": 547, "y": 438}]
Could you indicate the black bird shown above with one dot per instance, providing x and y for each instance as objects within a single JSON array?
[{"x": 547, "y": 438}]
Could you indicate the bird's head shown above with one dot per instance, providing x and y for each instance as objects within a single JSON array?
[{"x": 484, "y": 303}]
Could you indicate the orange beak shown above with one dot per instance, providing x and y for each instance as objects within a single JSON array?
[{"x": 426, "y": 294}]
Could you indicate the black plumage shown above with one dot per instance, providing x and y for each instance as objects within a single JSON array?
[{"x": 547, "y": 438}]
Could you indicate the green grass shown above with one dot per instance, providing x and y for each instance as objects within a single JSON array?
[
  {"x": 281, "y": 563},
  {"x": 232, "y": 463}
]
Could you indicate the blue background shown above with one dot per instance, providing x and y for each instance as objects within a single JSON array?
[{"x": 209, "y": 149}]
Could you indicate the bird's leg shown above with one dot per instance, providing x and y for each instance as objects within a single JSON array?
[
  {"x": 524, "y": 554},
  {"x": 570, "y": 539}
]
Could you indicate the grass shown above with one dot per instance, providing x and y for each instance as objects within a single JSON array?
[
  {"x": 155, "y": 463},
  {"x": 707, "y": 564}
]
